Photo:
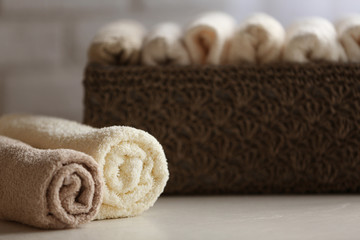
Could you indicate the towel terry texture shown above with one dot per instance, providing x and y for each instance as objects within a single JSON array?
[
  {"x": 164, "y": 46},
  {"x": 133, "y": 162},
  {"x": 349, "y": 35},
  {"x": 207, "y": 38},
  {"x": 49, "y": 189},
  {"x": 259, "y": 39},
  {"x": 312, "y": 39},
  {"x": 117, "y": 43}
]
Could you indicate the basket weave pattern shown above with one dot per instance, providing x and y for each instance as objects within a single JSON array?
[{"x": 283, "y": 128}]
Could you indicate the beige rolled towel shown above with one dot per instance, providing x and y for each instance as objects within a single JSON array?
[
  {"x": 312, "y": 39},
  {"x": 49, "y": 189},
  {"x": 118, "y": 43},
  {"x": 133, "y": 162},
  {"x": 349, "y": 36},
  {"x": 259, "y": 39},
  {"x": 164, "y": 45},
  {"x": 207, "y": 38}
]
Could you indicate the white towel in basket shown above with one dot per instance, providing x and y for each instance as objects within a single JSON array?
[
  {"x": 207, "y": 37},
  {"x": 348, "y": 30},
  {"x": 117, "y": 43},
  {"x": 259, "y": 39},
  {"x": 312, "y": 39},
  {"x": 164, "y": 46}
]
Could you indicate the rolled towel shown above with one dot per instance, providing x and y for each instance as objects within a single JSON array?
[
  {"x": 259, "y": 39},
  {"x": 207, "y": 38},
  {"x": 47, "y": 188},
  {"x": 312, "y": 39},
  {"x": 133, "y": 162},
  {"x": 118, "y": 43},
  {"x": 349, "y": 36},
  {"x": 164, "y": 46}
]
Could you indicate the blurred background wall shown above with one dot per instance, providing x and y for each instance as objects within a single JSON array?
[{"x": 43, "y": 42}]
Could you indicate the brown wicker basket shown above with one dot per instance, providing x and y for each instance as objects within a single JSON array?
[{"x": 282, "y": 128}]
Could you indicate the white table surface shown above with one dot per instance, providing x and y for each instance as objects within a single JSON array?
[{"x": 227, "y": 217}]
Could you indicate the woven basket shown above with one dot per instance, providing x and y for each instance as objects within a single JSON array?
[{"x": 283, "y": 128}]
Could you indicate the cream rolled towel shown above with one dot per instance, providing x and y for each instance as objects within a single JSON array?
[
  {"x": 133, "y": 162},
  {"x": 348, "y": 30},
  {"x": 312, "y": 39},
  {"x": 207, "y": 38},
  {"x": 118, "y": 43},
  {"x": 259, "y": 39},
  {"x": 164, "y": 46},
  {"x": 49, "y": 189}
]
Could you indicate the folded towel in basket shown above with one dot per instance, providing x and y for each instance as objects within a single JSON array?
[
  {"x": 349, "y": 35},
  {"x": 207, "y": 38},
  {"x": 164, "y": 46},
  {"x": 133, "y": 162},
  {"x": 313, "y": 39},
  {"x": 47, "y": 188},
  {"x": 259, "y": 39},
  {"x": 117, "y": 43}
]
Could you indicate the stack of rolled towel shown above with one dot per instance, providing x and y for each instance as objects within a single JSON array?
[
  {"x": 56, "y": 173},
  {"x": 215, "y": 38}
]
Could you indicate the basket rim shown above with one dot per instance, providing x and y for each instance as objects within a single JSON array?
[{"x": 274, "y": 65}]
